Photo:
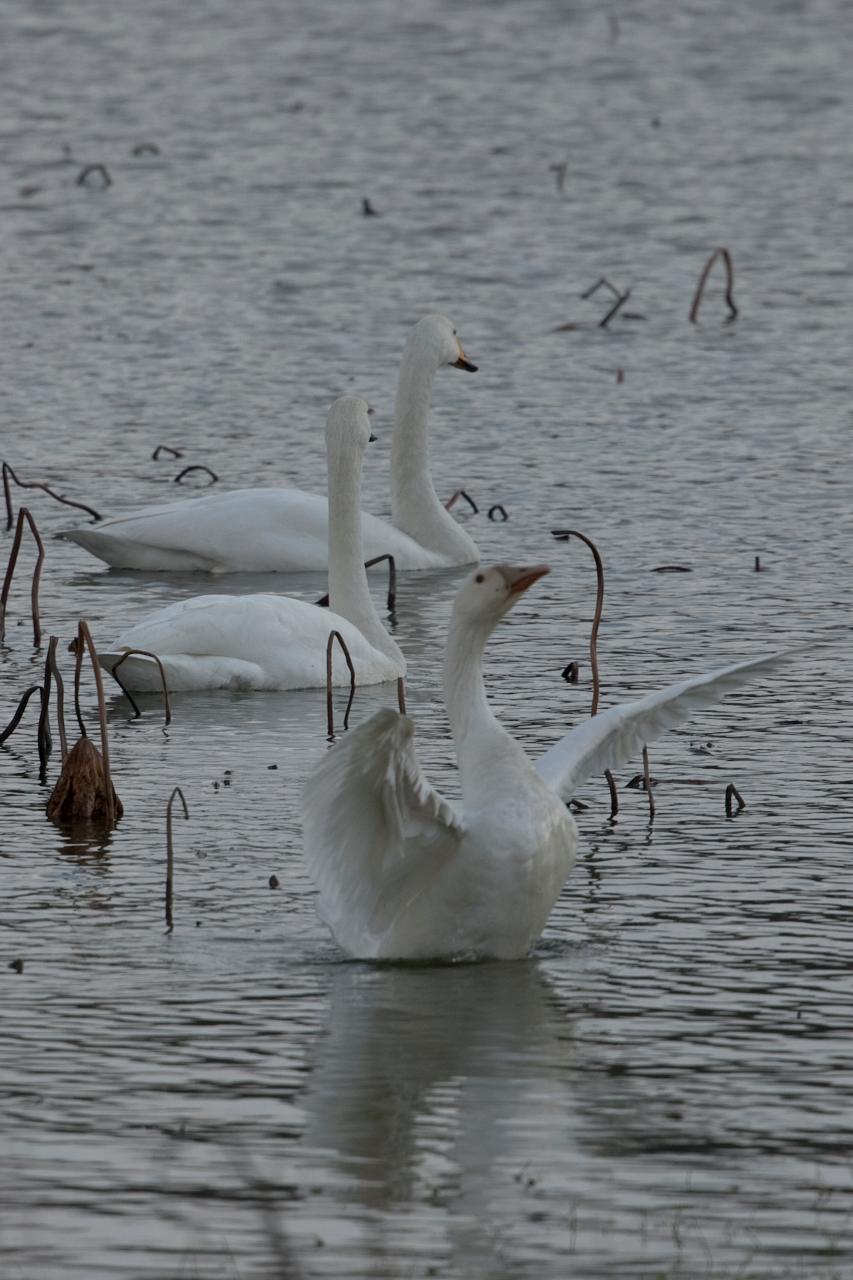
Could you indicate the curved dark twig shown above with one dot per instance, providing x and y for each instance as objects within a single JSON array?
[
  {"x": 144, "y": 653},
  {"x": 84, "y": 638},
  {"x": 21, "y": 708},
  {"x": 36, "y": 484},
  {"x": 23, "y": 515},
  {"x": 730, "y": 284},
  {"x": 197, "y": 466},
  {"x": 53, "y": 667},
  {"x": 732, "y": 793},
  {"x": 85, "y": 173},
  {"x": 460, "y": 493},
  {"x": 146, "y": 149},
  {"x": 392, "y": 577},
  {"x": 617, "y": 305},
  {"x": 564, "y": 535},
  {"x": 401, "y": 694},
  {"x": 170, "y": 855},
  {"x": 165, "y": 448},
  {"x": 330, "y": 710},
  {"x": 601, "y": 283},
  {"x": 498, "y": 507}
]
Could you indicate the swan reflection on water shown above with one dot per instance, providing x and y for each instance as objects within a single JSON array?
[{"x": 424, "y": 1073}]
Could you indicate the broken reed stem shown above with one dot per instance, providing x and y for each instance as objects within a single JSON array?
[
  {"x": 145, "y": 653},
  {"x": 460, "y": 493},
  {"x": 84, "y": 636},
  {"x": 83, "y": 175},
  {"x": 401, "y": 694},
  {"x": 498, "y": 507},
  {"x": 730, "y": 284},
  {"x": 170, "y": 854},
  {"x": 52, "y": 667},
  {"x": 647, "y": 779},
  {"x": 198, "y": 466},
  {"x": 601, "y": 283},
  {"x": 593, "y": 647},
  {"x": 330, "y": 710},
  {"x": 35, "y": 484},
  {"x": 620, "y": 302},
  {"x": 165, "y": 448},
  {"x": 732, "y": 793},
  {"x": 392, "y": 577},
  {"x": 21, "y": 708},
  {"x": 23, "y": 515}
]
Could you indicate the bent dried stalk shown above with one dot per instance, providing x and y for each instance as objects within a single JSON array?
[
  {"x": 593, "y": 642},
  {"x": 85, "y": 173},
  {"x": 112, "y": 804},
  {"x": 617, "y": 305},
  {"x": 498, "y": 507},
  {"x": 35, "y": 484},
  {"x": 19, "y": 712},
  {"x": 732, "y": 793},
  {"x": 144, "y": 653},
  {"x": 165, "y": 448},
  {"x": 23, "y": 515},
  {"x": 730, "y": 284},
  {"x": 52, "y": 668},
  {"x": 197, "y": 466},
  {"x": 330, "y": 710},
  {"x": 601, "y": 283},
  {"x": 170, "y": 854},
  {"x": 401, "y": 694},
  {"x": 460, "y": 493},
  {"x": 392, "y": 577}
]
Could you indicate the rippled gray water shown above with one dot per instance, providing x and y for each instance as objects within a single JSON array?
[{"x": 663, "y": 1089}]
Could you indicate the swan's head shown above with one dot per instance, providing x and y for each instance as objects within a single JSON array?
[
  {"x": 488, "y": 594},
  {"x": 437, "y": 335},
  {"x": 348, "y": 425}
]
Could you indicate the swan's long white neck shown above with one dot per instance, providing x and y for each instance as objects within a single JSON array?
[
  {"x": 349, "y": 594},
  {"x": 489, "y": 758},
  {"x": 415, "y": 506}
]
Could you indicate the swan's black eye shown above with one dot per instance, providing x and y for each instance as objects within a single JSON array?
[{"x": 479, "y": 577}]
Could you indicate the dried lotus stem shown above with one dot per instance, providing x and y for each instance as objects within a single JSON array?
[
  {"x": 460, "y": 493},
  {"x": 35, "y": 484},
  {"x": 593, "y": 646},
  {"x": 647, "y": 780},
  {"x": 392, "y": 577},
  {"x": 330, "y": 710},
  {"x": 732, "y": 793},
  {"x": 170, "y": 853},
  {"x": 730, "y": 284},
  {"x": 144, "y": 653},
  {"x": 23, "y": 515},
  {"x": 197, "y": 466}
]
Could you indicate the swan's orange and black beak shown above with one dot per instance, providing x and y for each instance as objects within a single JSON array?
[
  {"x": 463, "y": 362},
  {"x": 518, "y": 579}
]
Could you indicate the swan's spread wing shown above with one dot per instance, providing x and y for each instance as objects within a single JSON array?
[
  {"x": 609, "y": 739},
  {"x": 374, "y": 829}
]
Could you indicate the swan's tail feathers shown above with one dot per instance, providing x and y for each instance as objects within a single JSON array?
[
  {"x": 373, "y": 827},
  {"x": 125, "y": 553},
  {"x": 184, "y": 672},
  {"x": 614, "y": 736}
]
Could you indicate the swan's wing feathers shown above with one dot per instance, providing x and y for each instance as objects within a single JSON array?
[
  {"x": 612, "y": 737},
  {"x": 370, "y": 820}
]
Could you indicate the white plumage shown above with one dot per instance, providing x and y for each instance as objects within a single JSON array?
[
  {"x": 402, "y": 874},
  {"x": 286, "y": 530},
  {"x": 271, "y": 641}
]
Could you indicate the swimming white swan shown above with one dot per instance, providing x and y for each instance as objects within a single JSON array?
[
  {"x": 285, "y": 530},
  {"x": 271, "y": 641},
  {"x": 402, "y": 873}
]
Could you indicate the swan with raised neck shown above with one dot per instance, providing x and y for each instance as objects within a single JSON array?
[{"x": 415, "y": 505}]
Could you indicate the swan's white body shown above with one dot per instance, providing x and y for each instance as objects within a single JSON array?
[
  {"x": 286, "y": 530},
  {"x": 402, "y": 874},
  {"x": 271, "y": 641}
]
